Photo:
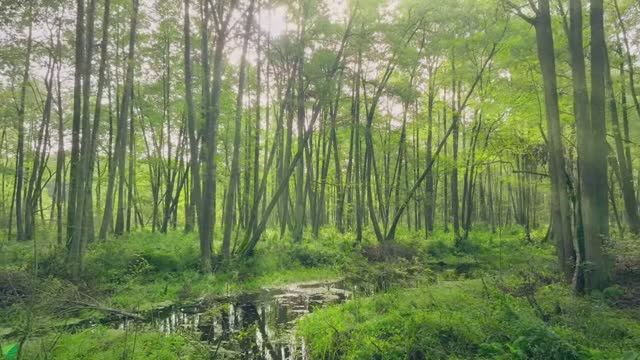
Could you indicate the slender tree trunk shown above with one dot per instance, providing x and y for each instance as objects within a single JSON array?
[
  {"x": 84, "y": 203},
  {"x": 60, "y": 155},
  {"x": 93, "y": 149},
  {"x": 628, "y": 57},
  {"x": 583, "y": 120},
  {"x": 429, "y": 203},
  {"x": 625, "y": 121},
  {"x": 339, "y": 213},
  {"x": 626, "y": 177},
  {"x": 194, "y": 164},
  {"x": 455, "y": 121},
  {"x": 300, "y": 196},
  {"x": 256, "y": 143},
  {"x": 131, "y": 179},
  {"x": 359, "y": 206},
  {"x": 210, "y": 135},
  {"x": 117, "y": 163},
  {"x": 234, "y": 179},
  {"x": 74, "y": 242},
  {"x": 445, "y": 186},
  {"x": 20, "y": 153}
]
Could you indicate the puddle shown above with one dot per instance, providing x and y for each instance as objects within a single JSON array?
[{"x": 250, "y": 326}]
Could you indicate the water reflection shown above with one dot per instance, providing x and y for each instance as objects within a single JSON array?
[{"x": 256, "y": 326}]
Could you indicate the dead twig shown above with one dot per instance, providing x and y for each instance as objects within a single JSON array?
[{"x": 106, "y": 309}]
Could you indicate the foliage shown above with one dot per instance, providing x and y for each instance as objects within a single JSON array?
[
  {"x": 466, "y": 319},
  {"x": 104, "y": 343}
]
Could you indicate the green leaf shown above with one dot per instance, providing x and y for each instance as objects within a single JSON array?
[{"x": 10, "y": 352}]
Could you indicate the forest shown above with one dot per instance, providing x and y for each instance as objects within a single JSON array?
[{"x": 319, "y": 179}]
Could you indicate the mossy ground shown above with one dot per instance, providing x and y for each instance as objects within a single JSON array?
[
  {"x": 469, "y": 319},
  {"x": 497, "y": 296}
]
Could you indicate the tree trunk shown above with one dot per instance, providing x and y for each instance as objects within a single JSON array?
[
  {"x": 594, "y": 199},
  {"x": 74, "y": 243},
  {"x": 559, "y": 199},
  {"x": 20, "y": 154},
  {"x": 234, "y": 179},
  {"x": 626, "y": 177},
  {"x": 194, "y": 164},
  {"x": 117, "y": 163}
]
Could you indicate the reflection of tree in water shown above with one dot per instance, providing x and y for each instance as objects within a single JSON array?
[
  {"x": 249, "y": 327},
  {"x": 224, "y": 321},
  {"x": 252, "y": 321}
]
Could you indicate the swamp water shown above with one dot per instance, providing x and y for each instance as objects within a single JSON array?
[{"x": 248, "y": 326}]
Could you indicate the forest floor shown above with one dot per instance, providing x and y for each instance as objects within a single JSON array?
[{"x": 498, "y": 296}]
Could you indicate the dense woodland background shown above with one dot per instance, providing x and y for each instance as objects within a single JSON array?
[{"x": 260, "y": 126}]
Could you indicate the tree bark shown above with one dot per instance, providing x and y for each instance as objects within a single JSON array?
[{"x": 234, "y": 179}]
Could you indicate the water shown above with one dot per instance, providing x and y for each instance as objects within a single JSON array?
[{"x": 250, "y": 326}]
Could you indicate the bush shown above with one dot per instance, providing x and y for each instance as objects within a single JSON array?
[
  {"x": 534, "y": 343},
  {"x": 388, "y": 251},
  {"x": 439, "y": 249},
  {"x": 310, "y": 256},
  {"x": 377, "y": 277},
  {"x": 15, "y": 286},
  {"x": 142, "y": 254}
]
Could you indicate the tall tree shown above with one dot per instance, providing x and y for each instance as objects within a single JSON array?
[
  {"x": 595, "y": 205},
  {"x": 74, "y": 242},
  {"x": 20, "y": 152},
  {"x": 560, "y": 210},
  {"x": 118, "y": 160},
  {"x": 222, "y": 15},
  {"x": 234, "y": 179},
  {"x": 194, "y": 165}
]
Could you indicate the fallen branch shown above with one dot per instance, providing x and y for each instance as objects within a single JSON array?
[{"x": 119, "y": 312}]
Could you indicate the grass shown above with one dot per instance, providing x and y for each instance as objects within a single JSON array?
[
  {"x": 497, "y": 296},
  {"x": 144, "y": 271},
  {"x": 465, "y": 319},
  {"x": 101, "y": 343},
  {"x": 161, "y": 269}
]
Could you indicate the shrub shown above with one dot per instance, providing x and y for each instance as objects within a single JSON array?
[
  {"x": 388, "y": 251},
  {"x": 534, "y": 343},
  {"x": 15, "y": 286},
  {"x": 376, "y": 277},
  {"x": 311, "y": 255}
]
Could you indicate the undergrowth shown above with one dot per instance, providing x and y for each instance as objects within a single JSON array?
[
  {"x": 469, "y": 319},
  {"x": 496, "y": 296}
]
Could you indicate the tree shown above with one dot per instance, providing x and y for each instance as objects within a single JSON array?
[
  {"x": 234, "y": 179},
  {"x": 118, "y": 163},
  {"x": 561, "y": 216},
  {"x": 595, "y": 210}
]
